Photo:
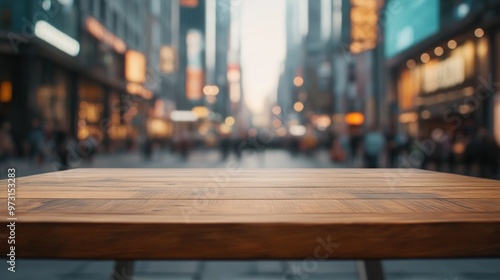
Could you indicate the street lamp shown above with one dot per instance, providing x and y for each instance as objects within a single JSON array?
[
  {"x": 298, "y": 106},
  {"x": 211, "y": 90},
  {"x": 298, "y": 81}
]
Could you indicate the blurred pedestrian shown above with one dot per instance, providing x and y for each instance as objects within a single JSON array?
[
  {"x": 225, "y": 146},
  {"x": 374, "y": 144},
  {"x": 61, "y": 143},
  {"x": 148, "y": 148},
  {"x": 487, "y": 153},
  {"x": 309, "y": 141},
  {"x": 392, "y": 146},
  {"x": 492, "y": 159},
  {"x": 239, "y": 142},
  {"x": 337, "y": 151},
  {"x": 472, "y": 153},
  {"x": 6, "y": 143},
  {"x": 459, "y": 144},
  {"x": 36, "y": 140},
  {"x": 355, "y": 142},
  {"x": 294, "y": 146}
]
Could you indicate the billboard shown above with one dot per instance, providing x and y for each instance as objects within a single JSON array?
[
  {"x": 167, "y": 59},
  {"x": 135, "y": 66},
  {"x": 409, "y": 23},
  {"x": 195, "y": 77},
  {"x": 364, "y": 25}
]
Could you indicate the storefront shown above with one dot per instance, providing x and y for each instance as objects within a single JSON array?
[
  {"x": 447, "y": 86},
  {"x": 90, "y": 110}
]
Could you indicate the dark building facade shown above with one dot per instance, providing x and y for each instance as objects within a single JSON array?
[
  {"x": 64, "y": 64},
  {"x": 445, "y": 82}
]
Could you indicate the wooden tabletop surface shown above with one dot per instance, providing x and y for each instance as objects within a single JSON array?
[{"x": 253, "y": 214}]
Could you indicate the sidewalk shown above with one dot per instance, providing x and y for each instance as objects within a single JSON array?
[{"x": 165, "y": 159}]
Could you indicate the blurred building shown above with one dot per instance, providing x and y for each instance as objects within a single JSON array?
[
  {"x": 292, "y": 77},
  {"x": 81, "y": 67},
  {"x": 317, "y": 78},
  {"x": 358, "y": 75},
  {"x": 237, "y": 108},
  {"x": 443, "y": 66},
  {"x": 191, "y": 78},
  {"x": 162, "y": 62},
  {"x": 113, "y": 101},
  {"x": 40, "y": 66}
]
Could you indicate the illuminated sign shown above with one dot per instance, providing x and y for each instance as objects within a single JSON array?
[
  {"x": 194, "y": 84},
  {"x": 135, "y": 66},
  {"x": 195, "y": 77},
  {"x": 167, "y": 59},
  {"x": 137, "y": 89},
  {"x": 55, "y": 37},
  {"x": 409, "y": 22},
  {"x": 183, "y": 116},
  {"x": 5, "y": 92},
  {"x": 97, "y": 30},
  {"x": 189, "y": 3},
  {"x": 444, "y": 74},
  {"x": 354, "y": 118},
  {"x": 364, "y": 25}
]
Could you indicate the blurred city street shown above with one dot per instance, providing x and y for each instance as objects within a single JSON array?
[
  {"x": 251, "y": 84},
  {"x": 469, "y": 269},
  {"x": 273, "y": 158}
]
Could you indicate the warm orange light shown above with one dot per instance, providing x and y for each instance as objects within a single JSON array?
[
  {"x": 135, "y": 66},
  {"x": 298, "y": 106},
  {"x": 276, "y": 110},
  {"x": 201, "y": 111},
  {"x": 6, "y": 92},
  {"x": 479, "y": 32},
  {"x": 322, "y": 121},
  {"x": 298, "y": 81},
  {"x": 138, "y": 89},
  {"x": 425, "y": 57},
  {"x": 408, "y": 117},
  {"x": 83, "y": 133},
  {"x": 426, "y": 114},
  {"x": 354, "y": 118},
  {"x": 281, "y": 132},
  {"x": 438, "y": 51},
  {"x": 210, "y": 90},
  {"x": 194, "y": 83},
  {"x": 452, "y": 44},
  {"x": 167, "y": 59},
  {"x": 224, "y": 129},
  {"x": 411, "y": 64},
  {"x": 97, "y": 30},
  {"x": 364, "y": 25},
  {"x": 276, "y": 123},
  {"x": 189, "y": 3},
  {"x": 230, "y": 121},
  {"x": 233, "y": 75}
]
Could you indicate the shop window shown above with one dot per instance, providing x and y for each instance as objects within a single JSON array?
[
  {"x": 90, "y": 111},
  {"x": 51, "y": 100}
]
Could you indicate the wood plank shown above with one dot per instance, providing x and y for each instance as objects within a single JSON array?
[
  {"x": 186, "y": 193},
  {"x": 254, "y": 213}
]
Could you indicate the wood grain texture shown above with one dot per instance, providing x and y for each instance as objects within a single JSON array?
[{"x": 254, "y": 214}]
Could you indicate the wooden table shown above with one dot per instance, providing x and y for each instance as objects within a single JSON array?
[{"x": 192, "y": 214}]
